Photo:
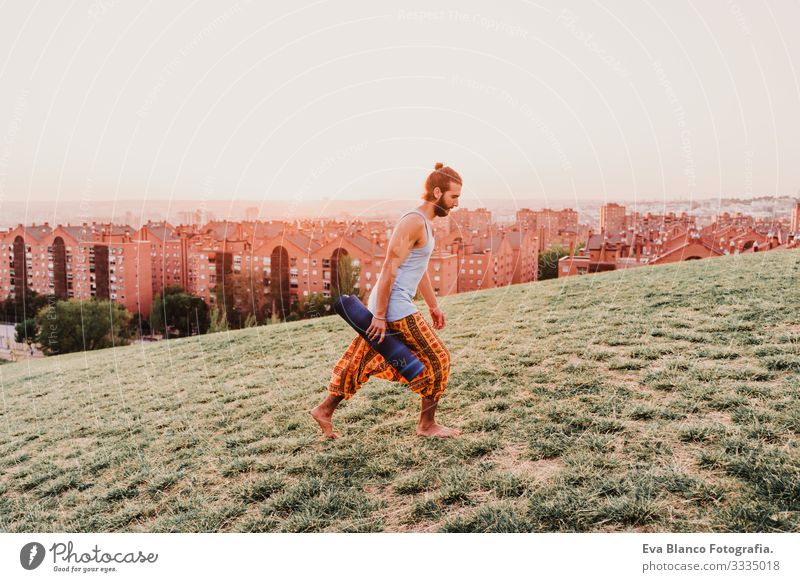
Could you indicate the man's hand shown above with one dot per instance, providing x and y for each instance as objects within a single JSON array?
[
  {"x": 377, "y": 329},
  {"x": 437, "y": 315}
]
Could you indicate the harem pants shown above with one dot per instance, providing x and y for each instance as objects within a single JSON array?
[{"x": 361, "y": 362}]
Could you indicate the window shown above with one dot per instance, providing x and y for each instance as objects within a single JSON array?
[
  {"x": 565, "y": 269},
  {"x": 463, "y": 271},
  {"x": 471, "y": 262},
  {"x": 356, "y": 262},
  {"x": 480, "y": 271},
  {"x": 367, "y": 275},
  {"x": 313, "y": 271},
  {"x": 437, "y": 278},
  {"x": 472, "y": 271}
]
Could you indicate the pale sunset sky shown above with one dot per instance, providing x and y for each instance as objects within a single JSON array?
[{"x": 113, "y": 99}]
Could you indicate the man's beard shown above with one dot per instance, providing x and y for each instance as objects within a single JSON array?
[{"x": 440, "y": 211}]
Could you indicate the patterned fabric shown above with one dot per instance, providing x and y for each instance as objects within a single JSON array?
[{"x": 361, "y": 362}]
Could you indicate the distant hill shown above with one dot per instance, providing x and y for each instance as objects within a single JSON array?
[{"x": 655, "y": 399}]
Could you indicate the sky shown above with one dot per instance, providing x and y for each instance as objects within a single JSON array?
[{"x": 551, "y": 101}]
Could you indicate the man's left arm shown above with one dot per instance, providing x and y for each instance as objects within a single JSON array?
[{"x": 426, "y": 289}]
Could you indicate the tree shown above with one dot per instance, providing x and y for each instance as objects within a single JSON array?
[
  {"x": 241, "y": 295},
  {"x": 348, "y": 274},
  {"x": 24, "y": 306},
  {"x": 219, "y": 322},
  {"x": 317, "y": 305},
  {"x": 74, "y": 326},
  {"x": 176, "y": 312},
  {"x": 25, "y": 332},
  {"x": 548, "y": 262},
  {"x": 140, "y": 326}
]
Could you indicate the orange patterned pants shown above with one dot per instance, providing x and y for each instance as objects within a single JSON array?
[{"x": 361, "y": 362}]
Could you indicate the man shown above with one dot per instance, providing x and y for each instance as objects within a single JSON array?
[{"x": 391, "y": 302}]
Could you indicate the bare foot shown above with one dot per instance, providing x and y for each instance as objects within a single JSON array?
[
  {"x": 437, "y": 430},
  {"x": 323, "y": 418}
]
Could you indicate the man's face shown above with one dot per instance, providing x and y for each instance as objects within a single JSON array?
[{"x": 447, "y": 201}]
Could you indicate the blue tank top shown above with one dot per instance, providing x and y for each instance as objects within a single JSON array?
[{"x": 409, "y": 274}]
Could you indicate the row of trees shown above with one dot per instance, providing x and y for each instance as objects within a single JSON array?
[
  {"x": 61, "y": 327},
  {"x": 73, "y": 326},
  {"x": 64, "y": 326}
]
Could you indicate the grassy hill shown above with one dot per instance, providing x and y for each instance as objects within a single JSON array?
[{"x": 657, "y": 399}]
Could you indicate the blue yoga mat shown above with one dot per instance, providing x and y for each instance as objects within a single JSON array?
[{"x": 391, "y": 348}]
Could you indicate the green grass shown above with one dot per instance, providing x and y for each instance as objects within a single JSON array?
[{"x": 656, "y": 399}]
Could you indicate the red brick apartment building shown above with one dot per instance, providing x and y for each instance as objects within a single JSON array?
[
  {"x": 612, "y": 218},
  {"x": 464, "y": 219},
  {"x": 89, "y": 260},
  {"x": 493, "y": 258},
  {"x": 551, "y": 227}
]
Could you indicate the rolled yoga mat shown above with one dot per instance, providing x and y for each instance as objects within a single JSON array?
[{"x": 391, "y": 348}]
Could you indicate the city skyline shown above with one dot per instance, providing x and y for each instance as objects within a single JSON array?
[{"x": 178, "y": 212}]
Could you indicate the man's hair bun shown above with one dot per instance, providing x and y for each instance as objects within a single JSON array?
[{"x": 438, "y": 166}]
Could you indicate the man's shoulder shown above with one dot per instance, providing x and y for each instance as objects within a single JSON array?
[{"x": 412, "y": 218}]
